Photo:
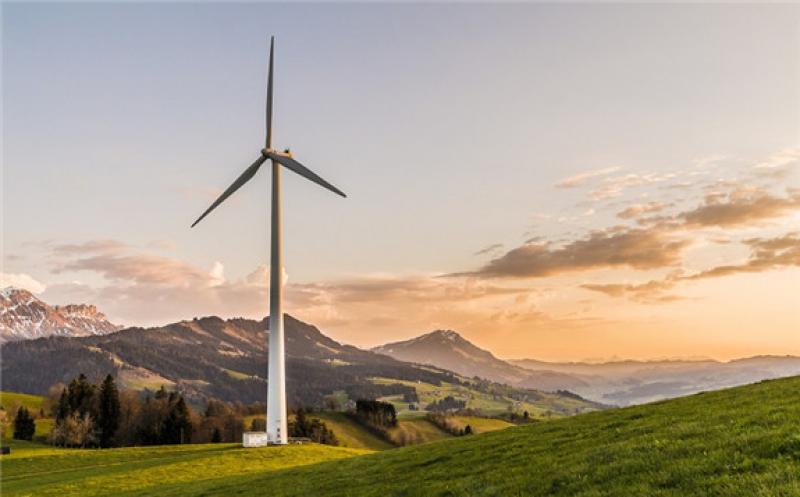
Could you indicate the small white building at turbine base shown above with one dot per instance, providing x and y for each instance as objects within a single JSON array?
[{"x": 255, "y": 439}]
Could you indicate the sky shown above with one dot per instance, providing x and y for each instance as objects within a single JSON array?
[{"x": 553, "y": 181}]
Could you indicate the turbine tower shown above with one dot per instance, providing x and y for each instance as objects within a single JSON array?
[{"x": 276, "y": 395}]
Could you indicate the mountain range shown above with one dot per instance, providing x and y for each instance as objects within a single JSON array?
[
  {"x": 617, "y": 383},
  {"x": 212, "y": 357},
  {"x": 227, "y": 359},
  {"x": 23, "y": 316}
]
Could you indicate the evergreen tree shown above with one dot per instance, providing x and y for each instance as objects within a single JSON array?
[
  {"x": 178, "y": 424},
  {"x": 216, "y": 437},
  {"x": 109, "y": 411},
  {"x": 80, "y": 396},
  {"x": 62, "y": 410},
  {"x": 468, "y": 430},
  {"x": 24, "y": 425}
]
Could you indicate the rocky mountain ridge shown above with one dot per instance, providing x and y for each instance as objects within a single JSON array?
[{"x": 23, "y": 316}]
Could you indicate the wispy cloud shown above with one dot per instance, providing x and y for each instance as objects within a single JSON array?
[
  {"x": 493, "y": 248},
  {"x": 613, "y": 187},
  {"x": 586, "y": 177},
  {"x": 637, "y": 210}
]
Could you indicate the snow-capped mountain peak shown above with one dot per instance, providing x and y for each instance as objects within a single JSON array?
[{"x": 23, "y": 316}]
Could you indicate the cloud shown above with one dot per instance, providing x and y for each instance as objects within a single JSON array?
[
  {"x": 649, "y": 293},
  {"x": 21, "y": 280},
  {"x": 637, "y": 210},
  {"x": 412, "y": 289},
  {"x": 489, "y": 249},
  {"x": 614, "y": 187},
  {"x": 106, "y": 246},
  {"x": 145, "y": 289},
  {"x": 585, "y": 177},
  {"x": 779, "y": 163},
  {"x": 144, "y": 269},
  {"x": 614, "y": 247},
  {"x": 739, "y": 207},
  {"x": 659, "y": 240},
  {"x": 765, "y": 254},
  {"x": 217, "y": 273}
]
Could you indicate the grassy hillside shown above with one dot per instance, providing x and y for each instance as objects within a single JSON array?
[
  {"x": 13, "y": 400},
  {"x": 501, "y": 400},
  {"x": 416, "y": 431},
  {"x": 739, "y": 442},
  {"x": 480, "y": 425},
  {"x": 351, "y": 434}
]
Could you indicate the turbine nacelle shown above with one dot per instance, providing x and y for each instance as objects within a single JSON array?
[{"x": 268, "y": 152}]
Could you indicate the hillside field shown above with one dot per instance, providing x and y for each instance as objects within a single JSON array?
[
  {"x": 742, "y": 441},
  {"x": 12, "y": 400},
  {"x": 545, "y": 406}
]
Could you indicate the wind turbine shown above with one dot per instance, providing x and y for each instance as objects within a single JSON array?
[{"x": 276, "y": 395}]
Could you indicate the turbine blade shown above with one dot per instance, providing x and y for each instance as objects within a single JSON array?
[
  {"x": 303, "y": 171},
  {"x": 242, "y": 179},
  {"x": 269, "y": 94}
]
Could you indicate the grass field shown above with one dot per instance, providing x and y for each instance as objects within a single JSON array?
[
  {"x": 12, "y": 400},
  {"x": 38, "y": 470},
  {"x": 743, "y": 441}
]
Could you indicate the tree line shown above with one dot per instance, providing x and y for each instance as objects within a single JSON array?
[{"x": 102, "y": 415}]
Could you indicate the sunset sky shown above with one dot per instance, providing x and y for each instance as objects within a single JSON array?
[{"x": 558, "y": 182}]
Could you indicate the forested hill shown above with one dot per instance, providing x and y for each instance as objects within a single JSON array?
[
  {"x": 224, "y": 359},
  {"x": 208, "y": 357}
]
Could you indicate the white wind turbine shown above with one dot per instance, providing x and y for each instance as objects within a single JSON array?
[{"x": 276, "y": 395}]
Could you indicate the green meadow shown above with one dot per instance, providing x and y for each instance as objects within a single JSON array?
[{"x": 742, "y": 441}]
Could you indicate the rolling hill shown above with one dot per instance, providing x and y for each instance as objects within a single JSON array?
[{"x": 743, "y": 441}]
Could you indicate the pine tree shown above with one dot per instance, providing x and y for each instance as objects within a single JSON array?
[
  {"x": 178, "y": 425},
  {"x": 80, "y": 395},
  {"x": 62, "y": 410},
  {"x": 24, "y": 425},
  {"x": 109, "y": 415}
]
